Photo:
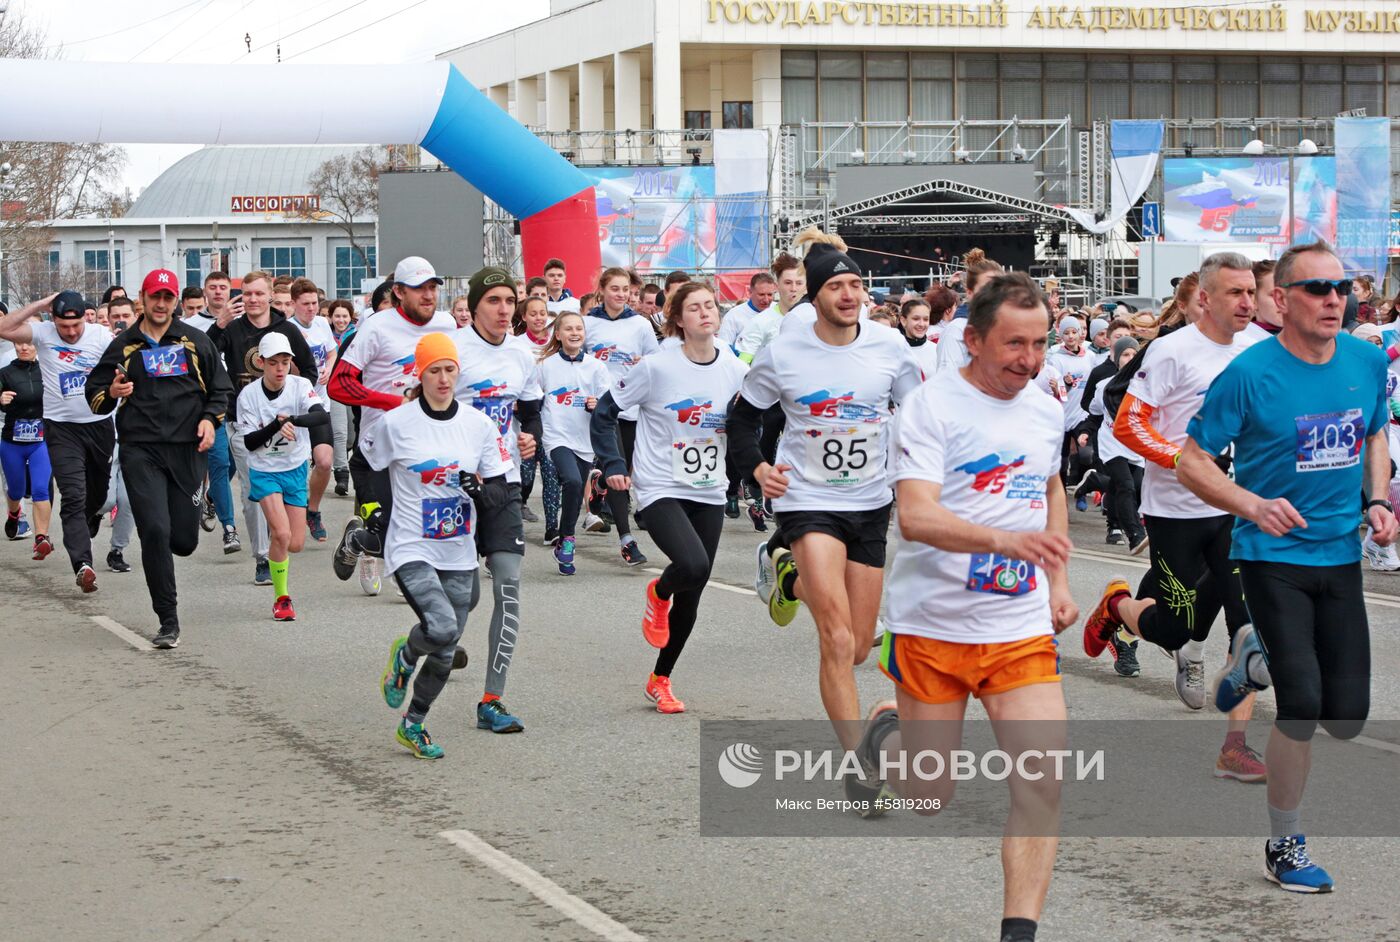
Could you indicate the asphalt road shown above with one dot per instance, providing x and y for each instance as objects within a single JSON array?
[{"x": 247, "y": 785}]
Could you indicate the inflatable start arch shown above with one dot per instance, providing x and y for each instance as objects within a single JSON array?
[{"x": 431, "y": 105}]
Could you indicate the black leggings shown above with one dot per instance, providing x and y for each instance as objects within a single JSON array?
[
  {"x": 1191, "y": 578},
  {"x": 573, "y": 472},
  {"x": 688, "y": 533},
  {"x": 1123, "y": 495},
  {"x": 774, "y": 422},
  {"x": 1312, "y": 624}
]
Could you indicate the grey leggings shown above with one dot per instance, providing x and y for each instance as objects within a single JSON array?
[
  {"x": 441, "y": 599},
  {"x": 505, "y": 617}
]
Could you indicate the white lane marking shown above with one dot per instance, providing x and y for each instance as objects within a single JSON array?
[
  {"x": 1377, "y": 744},
  {"x": 123, "y": 632},
  {"x": 543, "y": 888},
  {"x": 715, "y": 585}
]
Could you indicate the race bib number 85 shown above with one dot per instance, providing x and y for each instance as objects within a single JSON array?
[
  {"x": 999, "y": 575},
  {"x": 843, "y": 457},
  {"x": 444, "y": 518},
  {"x": 1329, "y": 440}
]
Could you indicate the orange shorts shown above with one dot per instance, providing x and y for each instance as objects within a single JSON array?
[{"x": 936, "y": 671}]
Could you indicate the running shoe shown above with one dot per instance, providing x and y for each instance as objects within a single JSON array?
[
  {"x": 1100, "y": 625},
  {"x": 369, "y": 576},
  {"x": 23, "y": 527},
  {"x": 342, "y": 483},
  {"x": 493, "y": 715},
  {"x": 731, "y": 507},
  {"x": 1286, "y": 862},
  {"x": 346, "y": 555},
  {"x": 1136, "y": 548},
  {"x": 1115, "y": 538},
  {"x": 282, "y": 609},
  {"x": 262, "y": 572},
  {"x": 1081, "y": 504},
  {"x": 393, "y": 683},
  {"x": 42, "y": 547},
  {"x": 115, "y": 563},
  {"x": 1190, "y": 680},
  {"x": 596, "y": 524},
  {"x": 551, "y": 536},
  {"x": 1085, "y": 487},
  {"x": 315, "y": 527},
  {"x": 765, "y": 579},
  {"x": 632, "y": 554},
  {"x": 658, "y": 691},
  {"x": 1241, "y": 763},
  {"x": 1125, "y": 661},
  {"x": 528, "y": 515},
  {"x": 781, "y": 609},
  {"x": 209, "y": 519},
  {"x": 459, "y": 658},
  {"x": 1232, "y": 684},
  {"x": 656, "y": 617},
  {"x": 564, "y": 556},
  {"x": 757, "y": 518},
  {"x": 12, "y": 527},
  {"x": 414, "y": 737},
  {"x": 231, "y": 544},
  {"x": 1381, "y": 558},
  {"x": 168, "y": 637},
  {"x": 868, "y": 792},
  {"x": 87, "y": 578}
]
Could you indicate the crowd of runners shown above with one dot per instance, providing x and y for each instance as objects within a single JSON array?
[{"x": 1240, "y": 438}]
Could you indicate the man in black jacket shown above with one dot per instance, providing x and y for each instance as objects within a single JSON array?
[
  {"x": 173, "y": 391},
  {"x": 238, "y": 342}
]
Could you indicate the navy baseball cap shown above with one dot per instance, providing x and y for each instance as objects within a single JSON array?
[{"x": 69, "y": 304}]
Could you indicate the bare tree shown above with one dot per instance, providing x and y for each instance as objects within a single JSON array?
[
  {"x": 348, "y": 186},
  {"x": 50, "y": 181}
]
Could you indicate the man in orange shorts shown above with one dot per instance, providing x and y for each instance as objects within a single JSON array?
[{"x": 980, "y": 589}]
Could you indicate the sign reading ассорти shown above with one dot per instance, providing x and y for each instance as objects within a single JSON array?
[{"x": 274, "y": 204}]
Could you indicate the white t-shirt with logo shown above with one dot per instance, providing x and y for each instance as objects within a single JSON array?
[
  {"x": 567, "y": 385},
  {"x": 492, "y": 378},
  {"x": 926, "y": 355},
  {"x": 1109, "y": 447},
  {"x": 1172, "y": 377},
  {"x": 682, "y": 408},
  {"x": 1074, "y": 371},
  {"x": 952, "y": 348},
  {"x": 433, "y": 518},
  {"x": 992, "y": 459},
  {"x": 731, "y": 328},
  {"x": 383, "y": 350},
  {"x": 619, "y": 344},
  {"x": 837, "y": 402},
  {"x": 65, "y": 368},
  {"x": 321, "y": 339},
  {"x": 255, "y": 410}
]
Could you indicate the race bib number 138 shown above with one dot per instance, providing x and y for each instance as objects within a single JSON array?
[{"x": 444, "y": 518}]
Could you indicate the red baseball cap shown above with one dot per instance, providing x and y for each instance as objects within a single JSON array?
[{"x": 162, "y": 279}]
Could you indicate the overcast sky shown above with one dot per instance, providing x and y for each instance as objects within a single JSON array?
[{"x": 212, "y": 31}]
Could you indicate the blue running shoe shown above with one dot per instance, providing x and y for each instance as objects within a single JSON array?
[
  {"x": 1081, "y": 504},
  {"x": 1233, "y": 684},
  {"x": 564, "y": 556},
  {"x": 414, "y": 737},
  {"x": 1286, "y": 862},
  {"x": 494, "y": 716},
  {"x": 393, "y": 683},
  {"x": 23, "y": 528}
]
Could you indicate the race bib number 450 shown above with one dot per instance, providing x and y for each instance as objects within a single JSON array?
[
  {"x": 444, "y": 518},
  {"x": 843, "y": 457},
  {"x": 698, "y": 461},
  {"x": 1329, "y": 440}
]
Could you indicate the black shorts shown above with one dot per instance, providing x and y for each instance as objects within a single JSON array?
[
  {"x": 501, "y": 530},
  {"x": 863, "y": 531}
]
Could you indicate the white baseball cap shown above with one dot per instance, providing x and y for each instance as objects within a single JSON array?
[
  {"x": 415, "y": 272},
  {"x": 273, "y": 343}
]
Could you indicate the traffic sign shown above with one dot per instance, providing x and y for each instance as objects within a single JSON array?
[{"x": 1151, "y": 220}]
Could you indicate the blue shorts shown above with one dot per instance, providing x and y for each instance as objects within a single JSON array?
[{"x": 290, "y": 484}]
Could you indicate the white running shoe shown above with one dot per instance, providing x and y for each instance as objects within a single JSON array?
[
  {"x": 765, "y": 578},
  {"x": 1381, "y": 558},
  {"x": 595, "y": 524},
  {"x": 369, "y": 575},
  {"x": 1190, "y": 680}
]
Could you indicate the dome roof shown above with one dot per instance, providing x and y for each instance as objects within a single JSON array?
[{"x": 203, "y": 184}]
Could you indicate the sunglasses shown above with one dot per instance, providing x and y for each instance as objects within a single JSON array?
[{"x": 1322, "y": 287}]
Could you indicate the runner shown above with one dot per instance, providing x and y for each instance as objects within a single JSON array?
[
  {"x": 79, "y": 443},
  {"x": 173, "y": 392},
  {"x": 620, "y": 337},
  {"x": 219, "y": 503},
  {"x": 340, "y": 315},
  {"x": 275, "y": 416},
  {"x": 530, "y": 327},
  {"x": 914, "y": 324},
  {"x": 571, "y": 383},
  {"x": 374, "y": 372},
  {"x": 555, "y": 275},
  {"x": 981, "y": 509},
  {"x": 1192, "y": 576},
  {"x": 251, "y": 318},
  {"x": 432, "y": 451},
  {"x": 1301, "y": 409},
  {"x": 952, "y": 351},
  {"x": 316, "y": 331},
  {"x": 683, "y": 395},
  {"x": 496, "y": 377},
  {"x": 762, "y": 288},
  {"x": 835, "y": 381},
  {"x": 23, "y": 453},
  {"x": 1073, "y": 361}
]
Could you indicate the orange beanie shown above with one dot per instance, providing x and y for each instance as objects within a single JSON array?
[{"x": 432, "y": 348}]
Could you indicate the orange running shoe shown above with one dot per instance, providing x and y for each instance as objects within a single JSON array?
[
  {"x": 656, "y": 620},
  {"x": 1101, "y": 624},
  {"x": 1241, "y": 763},
  {"x": 282, "y": 609},
  {"x": 659, "y": 692}
]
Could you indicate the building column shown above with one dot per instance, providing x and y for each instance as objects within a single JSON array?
[
  {"x": 768, "y": 89},
  {"x": 590, "y": 110},
  {"x": 527, "y": 101},
  {"x": 500, "y": 96},
  {"x": 666, "y": 80},
  {"x": 716, "y": 94},
  {"x": 556, "y": 100},
  {"x": 627, "y": 103}
]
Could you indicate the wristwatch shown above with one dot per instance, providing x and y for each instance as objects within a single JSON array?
[{"x": 1380, "y": 502}]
